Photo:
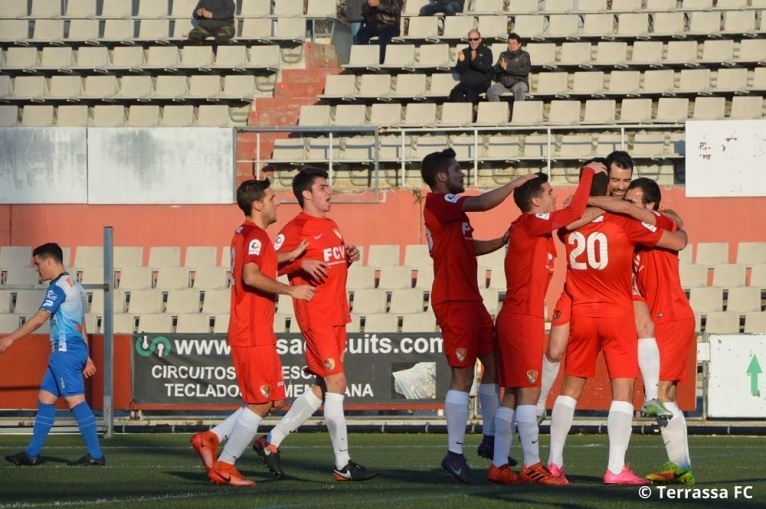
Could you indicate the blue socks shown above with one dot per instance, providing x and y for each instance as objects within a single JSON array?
[
  {"x": 46, "y": 414},
  {"x": 86, "y": 421}
]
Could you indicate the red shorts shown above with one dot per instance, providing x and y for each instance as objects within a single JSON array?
[
  {"x": 562, "y": 313},
  {"x": 467, "y": 330},
  {"x": 615, "y": 336},
  {"x": 325, "y": 350},
  {"x": 519, "y": 352},
  {"x": 675, "y": 340},
  {"x": 259, "y": 373}
]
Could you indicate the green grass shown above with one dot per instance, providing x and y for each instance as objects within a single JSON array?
[{"x": 161, "y": 470}]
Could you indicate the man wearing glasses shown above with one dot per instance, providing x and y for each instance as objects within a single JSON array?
[{"x": 474, "y": 64}]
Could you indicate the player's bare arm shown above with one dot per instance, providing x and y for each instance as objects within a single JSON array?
[
  {"x": 672, "y": 214},
  {"x": 290, "y": 256},
  {"x": 624, "y": 207},
  {"x": 483, "y": 247},
  {"x": 588, "y": 216},
  {"x": 29, "y": 327},
  {"x": 253, "y": 277},
  {"x": 675, "y": 241},
  {"x": 492, "y": 199},
  {"x": 90, "y": 367}
]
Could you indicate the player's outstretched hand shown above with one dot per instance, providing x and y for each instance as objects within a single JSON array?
[
  {"x": 317, "y": 269},
  {"x": 353, "y": 254},
  {"x": 4, "y": 344},
  {"x": 303, "y": 292},
  {"x": 597, "y": 167},
  {"x": 90, "y": 368}
]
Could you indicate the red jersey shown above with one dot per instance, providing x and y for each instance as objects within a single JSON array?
[
  {"x": 531, "y": 253},
  {"x": 659, "y": 281},
  {"x": 251, "y": 322},
  {"x": 600, "y": 261},
  {"x": 329, "y": 307},
  {"x": 450, "y": 243}
]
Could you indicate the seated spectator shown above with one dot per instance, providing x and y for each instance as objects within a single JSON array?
[
  {"x": 448, "y": 7},
  {"x": 474, "y": 65},
  {"x": 216, "y": 19},
  {"x": 354, "y": 17},
  {"x": 381, "y": 20},
  {"x": 511, "y": 71}
]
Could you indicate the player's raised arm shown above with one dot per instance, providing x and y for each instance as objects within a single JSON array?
[
  {"x": 492, "y": 199},
  {"x": 624, "y": 207}
]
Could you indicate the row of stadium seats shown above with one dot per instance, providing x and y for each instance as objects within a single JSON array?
[
  {"x": 639, "y": 54},
  {"x": 129, "y": 31},
  {"x": 586, "y": 26},
  {"x": 708, "y": 254},
  {"x": 131, "y": 89},
  {"x": 136, "y": 59},
  {"x": 412, "y": 7},
  {"x": 205, "y": 115},
  {"x": 650, "y": 83},
  {"x": 160, "y": 8}
]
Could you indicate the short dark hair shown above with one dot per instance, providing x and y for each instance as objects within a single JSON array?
[
  {"x": 600, "y": 183},
  {"x": 436, "y": 162},
  {"x": 621, "y": 159},
  {"x": 533, "y": 188},
  {"x": 250, "y": 191},
  {"x": 49, "y": 250},
  {"x": 601, "y": 160},
  {"x": 516, "y": 37},
  {"x": 304, "y": 179},
  {"x": 650, "y": 189}
]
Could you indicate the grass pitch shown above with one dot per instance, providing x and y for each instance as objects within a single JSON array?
[{"x": 161, "y": 470}]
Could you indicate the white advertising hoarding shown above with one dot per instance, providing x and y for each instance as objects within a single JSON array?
[{"x": 737, "y": 385}]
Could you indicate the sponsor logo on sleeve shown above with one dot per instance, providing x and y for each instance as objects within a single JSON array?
[
  {"x": 255, "y": 247},
  {"x": 650, "y": 227},
  {"x": 280, "y": 240},
  {"x": 452, "y": 198},
  {"x": 544, "y": 216}
]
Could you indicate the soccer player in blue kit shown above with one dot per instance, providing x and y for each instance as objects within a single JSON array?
[{"x": 69, "y": 362}]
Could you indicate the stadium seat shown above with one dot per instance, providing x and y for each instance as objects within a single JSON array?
[
  {"x": 732, "y": 81},
  {"x": 530, "y": 27},
  {"x": 399, "y": 57},
  {"x": 755, "y": 323},
  {"x": 369, "y": 301},
  {"x": 21, "y": 276},
  {"x": 425, "y": 278},
  {"x": 37, "y": 116},
  {"x": 19, "y": 59},
  {"x": 682, "y": 53},
  {"x": 339, "y": 87},
  {"x": 395, "y": 277},
  {"x": 739, "y": 23},
  {"x": 419, "y": 114},
  {"x": 729, "y": 275},
  {"x": 377, "y": 322},
  {"x": 97, "y": 302},
  {"x": 646, "y": 53},
  {"x": 240, "y": 88},
  {"x": 15, "y": 256},
  {"x": 759, "y": 80},
  {"x": 221, "y": 323},
  {"x": 404, "y": 301},
  {"x": 722, "y": 322},
  {"x": 456, "y": 28},
  {"x": 205, "y": 86},
  {"x": 385, "y": 114},
  {"x": 409, "y": 87},
  {"x": 563, "y": 26},
  {"x": 350, "y": 115},
  {"x": 28, "y": 301},
  {"x": 749, "y": 253},
  {"x": 709, "y": 108},
  {"x": 576, "y": 146},
  {"x": 142, "y": 115},
  {"x": 72, "y": 116},
  {"x": 156, "y": 31},
  {"x": 45, "y": 9},
  {"x": 360, "y": 277},
  {"x": 564, "y": 113},
  {"x": 13, "y": 30},
  {"x": 177, "y": 116},
  {"x": 599, "y": 112},
  {"x": 417, "y": 255},
  {"x": 493, "y": 27},
  {"x": 145, "y": 302},
  {"x": 632, "y": 25},
  {"x": 557, "y": 6},
  {"x": 704, "y": 300},
  {"x": 694, "y": 82},
  {"x": 598, "y": 26},
  {"x": 528, "y": 113},
  {"x": 13, "y": 9},
  {"x": 124, "y": 324},
  {"x": 419, "y": 322},
  {"x": 635, "y": 111},
  {"x": 183, "y": 301},
  {"x": 651, "y": 144},
  {"x": 433, "y": 57},
  {"x": 611, "y": 55},
  {"x": 116, "y": 9},
  {"x": 196, "y": 323},
  {"x": 492, "y": 114},
  {"x": 626, "y": 5},
  {"x": 744, "y": 299},
  {"x": 136, "y": 278},
  {"x": 374, "y": 86},
  {"x": 672, "y": 110},
  {"x": 551, "y": 84},
  {"x": 540, "y": 54},
  {"x": 9, "y": 323},
  {"x": 751, "y": 51},
  {"x": 155, "y": 322},
  {"x": 712, "y": 253},
  {"x": 172, "y": 278},
  {"x": 456, "y": 114},
  {"x": 216, "y": 302},
  {"x": 200, "y": 256},
  {"x": 704, "y": 23},
  {"x": 717, "y": 52},
  {"x": 119, "y": 30},
  {"x": 383, "y": 255},
  {"x": 213, "y": 115},
  {"x": 590, "y": 84}
]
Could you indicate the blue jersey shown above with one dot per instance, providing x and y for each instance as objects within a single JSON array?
[{"x": 66, "y": 301}]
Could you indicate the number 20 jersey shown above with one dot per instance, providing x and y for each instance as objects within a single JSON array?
[{"x": 600, "y": 263}]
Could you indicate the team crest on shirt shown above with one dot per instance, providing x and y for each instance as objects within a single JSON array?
[
  {"x": 254, "y": 248},
  {"x": 279, "y": 241},
  {"x": 452, "y": 198},
  {"x": 266, "y": 390},
  {"x": 329, "y": 364},
  {"x": 461, "y": 354},
  {"x": 532, "y": 375}
]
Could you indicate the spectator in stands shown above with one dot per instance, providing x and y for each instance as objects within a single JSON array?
[
  {"x": 511, "y": 72},
  {"x": 448, "y": 7},
  {"x": 474, "y": 65},
  {"x": 215, "y": 19},
  {"x": 354, "y": 17},
  {"x": 381, "y": 20}
]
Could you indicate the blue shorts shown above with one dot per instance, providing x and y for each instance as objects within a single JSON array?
[{"x": 64, "y": 374}]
